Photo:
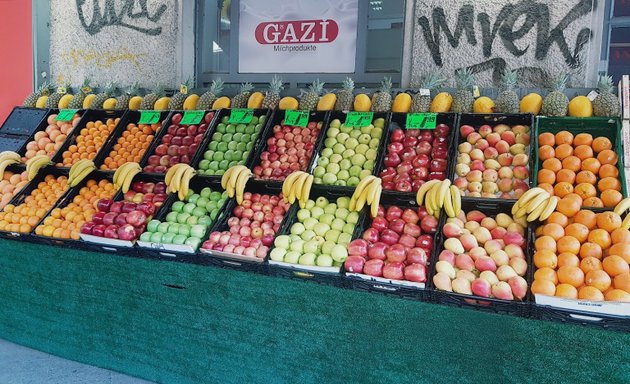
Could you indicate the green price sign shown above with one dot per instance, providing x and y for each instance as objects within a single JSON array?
[
  {"x": 421, "y": 120},
  {"x": 296, "y": 118},
  {"x": 66, "y": 114},
  {"x": 359, "y": 119},
  {"x": 149, "y": 117},
  {"x": 192, "y": 117},
  {"x": 241, "y": 116}
]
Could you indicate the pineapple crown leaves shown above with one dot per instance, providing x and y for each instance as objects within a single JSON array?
[
  {"x": 605, "y": 84},
  {"x": 216, "y": 87},
  {"x": 45, "y": 89},
  {"x": 159, "y": 90},
  {"x": 133, "y": 89},
  {"x": 316, "y": 87},
  {"x": 276, "y": 84},
  {"x": 433, "y": 80},
  {"x": 386, "y": 85},
  {"x": 559, "y": 82},
  {"x": 464, "y": 79},
  {"x": 246, "y": 87},
  {"x": 508, "y": 79},
  {"x": 348, "y": 84}
]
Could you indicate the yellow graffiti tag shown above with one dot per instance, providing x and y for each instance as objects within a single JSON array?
[{"x": 105, "y": 59}]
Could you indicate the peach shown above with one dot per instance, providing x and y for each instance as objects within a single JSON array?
[
  {"x": 490, "y": 153},
  {"x": 454, "y": 245},
  {"x": 500, "y": 259},
  {"x": 461, "y": 183},
  {"x": 465, "y": 275},
  {"x": 489, "y": 189},
  {"x": 522, "y": 221},
  {"x": 477, "y": 154},
  {"x": 477, "y": 165},
  {"x": 489, "y": 223},
  {"x": 520, "y": 129},
  {"x": 480, "y": 287},
  {"x": 514, "y": 250},
  {"x": 474, "y": 175},
  {"x": 474, "y": 187},
  {"x": 464, "y": 147},
  {"x": 482, "y": 144},
  {"x": 493, "y": 139},
  {"x": 475, "y": 215},
  {"x": 468, "y": 242},
  {"x": 463, "y": 158},
  {"x": 465, "y": 262},
  {"x": 472, "y": 225},
  {"x": 462, "y": 169},
  {"x": 504, "y": 220},
  {"x": 521, "y": 172},
  {"x": 482, "y": 235},
  {"x": 477, "y": 252},
  {"x": 485, "y": 263},
  {"x": 474, "y": 194},
  {"x": 518, "y": 265},
  {"x": 442, "y": 282},
  {"x": 505, "y": 173},
  {"x": 502, "y": 147},
  {"x": 505, "y": 159},
  {"x": 505, "y": 185},
  {"x": 517, "y": 229},
  {"x": 518, "y": 286},
  {"x": 523, "y": 138},
  {"x": 517, "y": 149},
  {"x": 447, "y": 256},
  {"x": 505, "y": 272},
  {"x": 473, "y": 138},
  {"x": 492, "y": 246},
  {"x": 509, "y": 137},
  {"x": 498, "y": 233},
  {"x": 446, "y": 268},
  {"x": 485, "y": 130},
  {"x": 452, "y": 230},
  {"x": 466, "y": 130},
  {"x": 502, "y": 290},
  {"x": 490, "y": 175},
  {"x": 492, "y": 164},
  {"x": 489, "y": 276},
  {"x": 520, "y": 184},
  {"x": 461, "y": 285},
  {"x": 520, "y": 159},
  {"x": 462, "y": 216},
  {"x": 505, "y": 195},
  {"x": 500, "y": 128},
  {"x": 456, "y": 221}
]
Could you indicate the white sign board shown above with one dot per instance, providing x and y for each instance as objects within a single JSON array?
[{"x": 300, "y": 36}]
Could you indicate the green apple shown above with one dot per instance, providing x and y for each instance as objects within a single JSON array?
[
  {"x": 363, "y": 139},
  {"x": 326, "y": 218},
  {"x": 332, "y": 235},
  {"x": 316, "y": 212},
  {"x": 369, "y": 165},
  {"x": 345, "y": 164},
  {"x": 163, "y": 227},
  {"x": 171, "y": 218},
  {"x": 323, "y": 161},
  {"x": 337, "y": 224},
  {"x": 340, "y": 182},
  {"x": 167, "y": 238},
  {"x": 294, "y": 238},
  {"x": 351, "y": 143},
  {"x": 321, "y": 202},
  {"x": 307, "y": 235},
  {"x": 184, "y": 230},
  {"x": 358, "y": 159},
  {"x": 212, "y": 205},
  {"x": 339, "y": 253},
  {"x": 373, "y": 144},
  {"x": 282, "y": 241},
  {"x": 310, "y": 223},
  {"x": 156, "y": 237},
  {"x": 367, "y": 129},
  {"x": 342, "y": 137},
  {"x": 370, "y": 154},
  {"x": 355, "y": 171},
  {"x": 327, "y": 247},
  {"x": 352, "y": 218},
  {"x": 332, "y": 132},
  {"x": 327, "y": 152},
  {"x": 307, "y": 259},
  {"x": 364, "y": 173},
  {"x": 199, "y": 211},
  {"x": 344, "y": 239},
  {"x": 146, "y": 237},
  {"x": 152, "y": 226},
  {"x": 333, "y": 168},
  {"x": 330, "y": 142},
  {"x": 173, "y": 228},
  {"x": 193, "y": 220},
  {"x": 297, "y": 246},
  {"x": 182, "y": 217},
  {"x": 193, "y": 242},
  {"x": 178, "y": 206},
  {"x": 361, "y": 149},
  {"x": 189, "y": 208},
  {"x": 343, "y": 175},
  {"x": 319, "y": 171},
  {"x": 193, "y": 198},
  {"x": 311, "y": 246},
  {"x": 329, "y": 178},
  {"x": 206, "y": 221},
  {"x": 338, "y": 148},
  {"x": 324, "y": 261},
  {"x": 310, "y": 204},
  {"x": 348, "y": 153},
  {"x": 355, "y": 134},
  {"x": 179, "y": 239},
  {"x": 345, "y": 129},
  {"x": 342, "y": 213},
  {"x": 320, "y": 229},
  {"x": 380, "y": 122},
  {"x": 198, "y": 231},
  {"x": 330, "y": 208},
  {"x": 348, "y": 228},
  {"x": 303, "y": 214},
  {"x": 377, "y": 132},
  {"x": 297, "y": 228},
  {"x": 336, "y": 158},
  {"x": 277, "y": 254},
  {"x": 336, "y": 123}
]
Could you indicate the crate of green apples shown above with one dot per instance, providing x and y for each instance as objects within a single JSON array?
[{"x": 230, "y": 144}]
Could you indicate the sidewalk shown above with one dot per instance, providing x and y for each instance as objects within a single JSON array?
[{"x": 21, "y": 365}]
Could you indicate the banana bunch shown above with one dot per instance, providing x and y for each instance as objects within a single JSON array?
[
  {"x": 436, "y": 194},
  {"x": 79, "y": 171},
  {"x": 234, "y": 181},
  {"x": 7, "y": 158},
  {"x": 536, "y": 203},
  {"x": 368, "y": 191},
  {"x": 178, "y": 179},
  {"x": 620, "y": 209},
  {"x": 34, "y": 164},
  {"x": 125, "y": 174},
  {"x": 297, "y": 186}
]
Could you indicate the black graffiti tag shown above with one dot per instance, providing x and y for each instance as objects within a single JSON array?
[
  {"x": 109, "y": 17},
  {"x": 505, "y": 26}
]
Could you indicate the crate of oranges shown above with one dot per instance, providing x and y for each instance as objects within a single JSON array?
[
  {"x": 581, "y": 157},
  {"x": 77, "y": 207},
  {"x": 33, "y": 203},
  {"x": 88, "y": 138},
  {"x": 131, "y": 142}
]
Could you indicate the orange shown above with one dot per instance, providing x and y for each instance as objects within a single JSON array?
[
  {"x": 617, "y": 295},
  {"x": 586, "y": 177},
  {"x": 552, "y": 164},
  {"x": 569, "y": 205},
  {"x": 601, "y": 237},
  {"x": 608, "y": 221},
  {"x": 562, "y": 189},
  {"x": 556, "y": 231},
  {"x": 543, "y": 287},
  {"x": 568, "y": 244},
  {"x": 590, "y": 293},
  {"x": 591, "y": 164},
  {"x": 583, "y": 152},
  {"x": 547, "y": 187},
  {"x": 571, "y": 275},
  {"x": 546, "y": 138},
  {"x": 573, "y": 163},
  {"x": 609, "y": 183},
  {"x": 611, "y": 198},
  {"x": 558, "y": 218},
  {"x": 598, "y": 279},
  {"x": 546, "y": 273},
  {"x": 567, "y": 291},
  {"x": 545, "y": 258},
  {"x": 589, "y": 249},
  {"x": 590, "y": 263},
  {"x": 607, "y": 157},
  {"x": 583, "y": 139},
  {"x": 545, "y": 242},
  {"x": 593, "y": 202},
  {"x": 615, "y": 265},
  {"x": 585, "y": 190},
  {"x": 601, "y": 144},
  {"x": 546, "y": 152},
  {"x": 568, "y": 259},
  {"x": 622, "y": 281},
  {"x": 564, "y": 137},
  {"x": 546, "y": 176},
  {"x": 563, "y": 151},
  {"x": 578, "y": 231},
  {"x": 620, "y": 236},
  {"x": 608, "y": 170}
]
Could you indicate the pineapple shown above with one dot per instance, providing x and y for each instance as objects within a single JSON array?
[
  {"x": 345, "y": 97},
  {"x": 77, "y": 100},
  {"x": 606, "y": 103},
  {"x": 149, "y": 100},
  {"x": 53, "y": 99},
  {"x": 207, "y": 99},
  {"x": 44, "y": 90},
  {"x": 122, "y": 101},
  {"x": 272, "y": 96},
  {"x": 177, "y": 100},
  {"x": 556, "y": 103},
  {"x": 310, "y": 98},
  {"x": 508, "y": 101},
  {"x": 463, "y": 98},
  {"x": 109, "y": 91},
  {"x": 422, "y": 103},
  {"x": 240, "y": 100},
  {"x": 382, "y": 99}
]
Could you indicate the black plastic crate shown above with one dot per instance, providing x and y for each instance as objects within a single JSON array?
[
  {"x": 90, "y": 115},
  {"x": 399, "y": 120},
  {"x": 589, "y": 319},
  {"x": 23, "y": 121},
  {"x": 514, "y": 307},
  {"x": 380, "y": 152},
  {"x": 477, "y": 120},
  {"x": 11, "y": 143},
  {"x": 276, "y": 119}
]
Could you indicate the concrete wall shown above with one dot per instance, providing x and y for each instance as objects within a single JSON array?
[
  {"x": 534, "y": 37},
  {"x": 116, "y": 40}
]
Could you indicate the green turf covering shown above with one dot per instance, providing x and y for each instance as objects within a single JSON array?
[{"x": 232, "y": 327}]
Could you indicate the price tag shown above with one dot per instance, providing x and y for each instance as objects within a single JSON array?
[
  {"x": 149, "y": 117},
  {"x": 241, "y": 116},
  {"x": 359, "y": 119},
  {"x": 192, "y": 117},
  {"x": 421, "y": 120},
  {"x": 424, "y": 92},
  {"x": 296, "y": 118},
  {"x": 592, "y": 95},
  {"x": 66, "y": 114},
  {"x": 183, "y": 89},
  {"x": 86, "y": 90},
  {"x": 62, "y": 90},
  {"x": 476, "y": 92}
]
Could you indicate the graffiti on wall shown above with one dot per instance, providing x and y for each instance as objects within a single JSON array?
[
  {"x": 525, "y": 36},
  {"x": 131, "y": 14}
]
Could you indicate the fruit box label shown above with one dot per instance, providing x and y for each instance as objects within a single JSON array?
[
  {"x": 359, "y": 119},
  {"x": 241, "y": 116},
  {"x": 192, "y": 117},
  {"x": 594, "y": 307},
  {"x": 149, "y": 117},
  {"x": 296, "y": 118},
  {"x": 66, "y": 114},
  {"x": 421, "y": 121}
]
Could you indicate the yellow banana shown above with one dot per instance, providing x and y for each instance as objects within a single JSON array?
[
  {"x": 126, "y": 183},
  {"x": 428, "y": 200},
  {"x": 457, "y": 199},
  {"x": 422, "y": 191},
  {"x": 622, "y": 206},
  {"x": 168, "y": 178},
  {"x": 82, "y": 175},
  {"x": 126, "y": 168},
  {"x": 299, "y": 184},
  {"x": 376, "y": 201},
  {"x": 117, "y": 175},
  {"x": 549, "y": 208},
  {"x": 441, "y": 193},
  {"x": 448, "y": 203},
  {"x": 626, "y": 223},
  {"x": 240, "y": 184},
  {"x": 231, "y": 184},
  {"x": 535, "y": 214},
  {"x": 78, "y": 168},
  {"x": 183, "y": 190},
  {"x": 177, "y": 177},
  {"x": 540, "y": 199},
  {"x": 226, "y": 177},
  {"x": 371, "y": 190},
  {"x": 529, "y": 195},
  {"x": 35, "y": 164},
  {"x": 306, "y": 191},
  {"x": 287, "y": 184},
  {"x": 4, "y": 164}
]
